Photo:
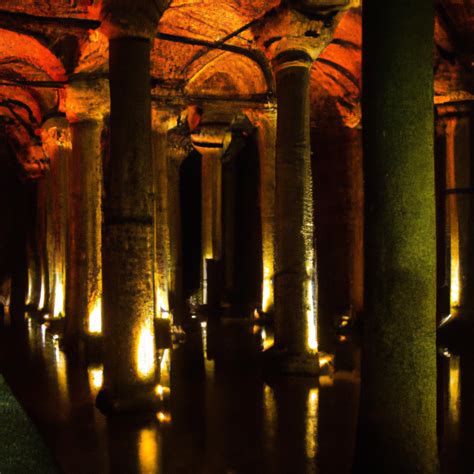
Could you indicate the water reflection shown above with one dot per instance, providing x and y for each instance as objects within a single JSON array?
[
  {"x": 222, "y": 422},
  {"x": 148, "y": 451}
]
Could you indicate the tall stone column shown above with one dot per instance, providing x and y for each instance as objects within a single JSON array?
[
  {"x": 459, "y": 193},
  {"x": 397, "y": 426},
  {"x": 211, "y": 142},
  {"x": 176, "y": 155},
  {"x": 266, "y": 135},
  {"x": 87, "y": 104},
  {"x": 160, "y": 125},
  {"x": 130, "y": 369},
  {"x": 293, "y": 39},
  {"x": 295, "y": 279},
  {"x": 57, "y": 146}
]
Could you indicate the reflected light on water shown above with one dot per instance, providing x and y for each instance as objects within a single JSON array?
[
  {"x": 148, "y": 451},
  {"x": 454, "y": 388},
  {"x": 312, "y": 423}
]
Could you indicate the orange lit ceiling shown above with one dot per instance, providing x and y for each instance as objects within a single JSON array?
[{"x": 203, "y": 47}]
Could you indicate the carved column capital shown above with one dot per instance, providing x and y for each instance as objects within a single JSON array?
[
  {"x": 298, "y": 34},
  {"x": 87, "y": 99}
]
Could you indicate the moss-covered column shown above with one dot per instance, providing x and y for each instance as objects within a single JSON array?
[
  {"x": 130, "y": 369},
  {"x": 397, "y": 431},
  {"x": 87, "y": 105}
]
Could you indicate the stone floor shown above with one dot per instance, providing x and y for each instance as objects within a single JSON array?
[{"x": 218, "y": 422}]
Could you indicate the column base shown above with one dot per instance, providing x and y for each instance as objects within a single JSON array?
[
  {"x": 286, "y": 363},
  {"x": 139, "y": 400}
]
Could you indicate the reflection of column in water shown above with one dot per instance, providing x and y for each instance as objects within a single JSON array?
[
  {"x": 149, "y": 451},
  {"x": 61, "y": 370},
  {"x": 270, "y": 423},
  {"x": 208, "y": 364},
  {"x": 454, "y": 389},
  {"x": 312, "y": 423},
  {"x": 96, "y": 378}
]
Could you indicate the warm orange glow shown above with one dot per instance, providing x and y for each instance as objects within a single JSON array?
[
  {"x": 162, "y": 391},
  {"x": 96, "y": 377},
  {"x": 30, "y": 287},
  {"x": 146, "y": 353},
  {"x": 58, "y": 309},
  {"x": 311, "y": 317},
  {"x": 454, "y": 388},
  {"x": 162, "y": 304},
  {"x": 455, "y": 289},
  {"x": 268, "y": 339},
  {"x": 95, "y": 318},
  {"x": 42, "y": 299},
  {"x": 163, "y": 417},
  {"x": 312, "y": 423},
  {"x": 148, "y": 450}
]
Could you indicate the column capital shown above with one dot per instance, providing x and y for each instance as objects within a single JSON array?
[
  {"x": 87, "y": 99},
  {"x": 297, "y": 34},
  {"x": 132, "y": 18}
]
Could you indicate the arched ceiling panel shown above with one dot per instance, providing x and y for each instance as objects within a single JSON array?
[{"x": 228, "y": 74}]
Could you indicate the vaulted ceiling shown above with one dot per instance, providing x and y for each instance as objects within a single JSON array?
[{"x": 203, "y": 47}]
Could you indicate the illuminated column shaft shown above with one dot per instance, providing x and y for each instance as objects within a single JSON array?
[
  {"x": 56, "y": 144},
  {"x": 294, "y": 275},
  {"x": 162, "y": 234},
  {"x": 84, "y": 277},
  {"x": 44, "y": 296},
  {"x": 211, "y": 202},
  {"x": 267, "y": 148},
  {"x": 397, "y": 429},
  {"x": 176, "y": 156},
  {"x": 460, "y": 206},
  {"x": 128, "y": 251}
]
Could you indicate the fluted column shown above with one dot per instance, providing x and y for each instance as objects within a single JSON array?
[
  {"x": 130, "y": 369},
  {"x": 87, "y": 105}
]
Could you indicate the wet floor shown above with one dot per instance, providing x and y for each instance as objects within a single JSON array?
[{"x": 222, "y": 421}]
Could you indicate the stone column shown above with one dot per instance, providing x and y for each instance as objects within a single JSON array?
[
  {"x": 459, "y": 193},
  {"x": 211, "y": 142},
  {"x": 295, "y": 280},
  {"x": 130, "y": 369},
  {"x": 176, "y": 156},
  {"x": 266, "y": 134},
  {"x": 397, "y": 425},
  {"x": 57, "y": 146},
  {"x": 87, "y": 104},
  {"x": 303, "y": 29}
]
